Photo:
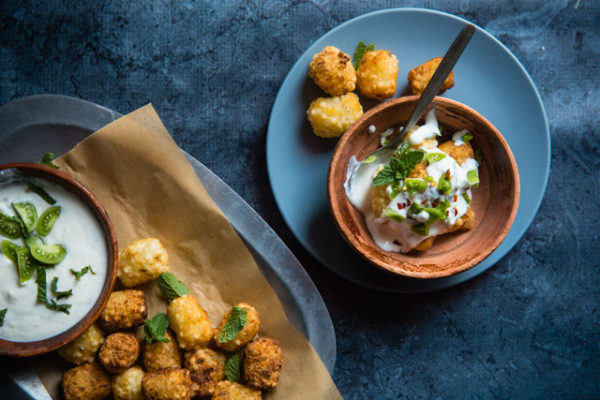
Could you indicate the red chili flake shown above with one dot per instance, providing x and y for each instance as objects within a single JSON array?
[
  {"x": 455, "y": 197},
  {"x": 455, "y": 211},
  {"x": 447, "y": 174},
  {"x": 401, "y": 206},
  {"x": 447, "y": 213},
  {"x": 424, "y": 202},
  {"x": 435, "y": 202}
]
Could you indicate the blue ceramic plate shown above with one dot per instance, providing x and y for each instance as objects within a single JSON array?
[{"x": 488, "y": 78}]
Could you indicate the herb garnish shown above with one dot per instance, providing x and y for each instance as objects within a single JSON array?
[
  {"x": 42, "y": 296},
  {"x": 360, "y": 51},
  {"x": 82, "y": 272},
  {"x": 2, "y": 315},
  {"x": 232, "y": 368},
  {"x": 58, "y": 293},
  {"x": 47, "y": 160},
  {"x": 155, "y": 328},
  {"x": 234, "y": 324},
  {"x": 41, "y": 192},
  {"x": 171, "y": 287},
  {"x": 398, "y": 168}
]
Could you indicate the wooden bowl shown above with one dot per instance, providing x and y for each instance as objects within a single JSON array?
[
  {"x": 24, "y": 349},
  {"x": 495, "y": 202}
]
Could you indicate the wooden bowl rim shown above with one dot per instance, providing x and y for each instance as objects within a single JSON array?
[
  {"x": 26, "y": 349},
  {"x": 334, "y": 207}
]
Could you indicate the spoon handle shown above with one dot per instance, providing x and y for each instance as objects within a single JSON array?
[{"x": 438, "y": 78}]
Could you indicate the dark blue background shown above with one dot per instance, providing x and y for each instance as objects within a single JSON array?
[{"x": 527, "y": 328}]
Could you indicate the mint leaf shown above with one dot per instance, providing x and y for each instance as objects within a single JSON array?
[
  {"x": 60, "y": 294},
  {"x": 171, "y": 287},
  {"x": 359, "y": 52},
  {"x": 40, "y": 279},
  {"x": 41, "y": 192},
  {"x": 232, "y": 368},
  {"x": 82, "y": 272},
  {"x": 155, "y": 328},
  {"x": 47, "y": 160},
  {"x": 2, "y": 315},
  {"x": 398, "y": 168},
  {"x": 53, "y": 305},
  {"x": 234, "y": 324}
]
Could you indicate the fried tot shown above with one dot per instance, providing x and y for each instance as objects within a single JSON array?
[
  {"x": 332, "y": 71},
  {"x": 125, "y": 309},
  {"x": 142, "y": 261},
  {"x": 160, "y": 355},
  {"x": 207, "y": 368},
  {"x": 377, "y": 74},
  {"x": 119, "y": 352},
  {"x": 419, "y": 77},
  {"x": 84, "y": 348},
  {"x": 189, "y": 322},
  {"x": 263, "y": 361},
  {"x": 459, "y": 153},
  {"x": 167, "y": 384},
  {"x": 128, "y": 384},
  {"x": 244, "y": 336},
  {"x": 331, "y": 116},
  {"x": 226, "y": 390},
  {"x": 86, "y": 382}
]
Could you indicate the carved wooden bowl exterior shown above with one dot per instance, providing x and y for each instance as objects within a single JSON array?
[
  {"x": 24, "y": 349},
  {"x": 495, "y": 202}
]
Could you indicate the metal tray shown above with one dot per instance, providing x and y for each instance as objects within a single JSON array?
[{"x": 33, "y": 125}]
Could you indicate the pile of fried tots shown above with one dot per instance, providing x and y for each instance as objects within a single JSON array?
[
  {"x": 375, "y": 76},
  {"x": 188, "y": 362}
]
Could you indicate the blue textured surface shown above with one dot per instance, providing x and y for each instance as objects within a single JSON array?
[{"x": 527, "y": 328}]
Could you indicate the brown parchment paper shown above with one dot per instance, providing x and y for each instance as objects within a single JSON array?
[{"x": 149, "y": 189}]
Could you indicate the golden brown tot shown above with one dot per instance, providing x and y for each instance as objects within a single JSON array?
[
  {"x": 234, "y": 391},
  {"x": 332, "y": 71},
  {"x": 85, "y": 382},
  {"x": 189, "y": 322},
  {"x": 419, "y": 77},
  {"x": 159, "y": 355},
  {"x": 167, "y": 384},
  {"x": 331, "y": 116},
  {"x": 207, "y": 368},
  {"x": 142, "y": 261},
  {"x": 377, "y": 74},
  {"x": 119, "y": 352},
  {"x": 128, "y": 384},
  {"x": 84, "y": 348},
  {"x": 263, "y": 360},
  {"x": 125, "y": 309},
  {"x": 245, "y": 335}
]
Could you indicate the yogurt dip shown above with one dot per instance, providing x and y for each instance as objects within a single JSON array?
[
  {"x": 432, "y": 198},
  {"x": 79, "y": 232}
]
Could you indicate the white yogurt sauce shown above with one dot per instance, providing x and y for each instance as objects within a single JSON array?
[
  {"x": 80, "y": 233},
  {"x": 388, "y": 233}
]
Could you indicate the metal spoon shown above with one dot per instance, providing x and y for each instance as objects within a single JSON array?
[{"x": 443, "y": 70}]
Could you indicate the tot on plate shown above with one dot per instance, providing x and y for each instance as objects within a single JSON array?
[
  {"x": 207, "y": 368},
  {"x": 125, "y": 309},
  {"x": 227, "y": 390},
  {"x": 128, "y": 384},
  {"x": 263, "y": 361},
  {"x": 332, "y": 71},
  {"x": 167, "y": 384},
  {"x": 142, "y": 261},
  {"x": 419, "y": 77},
  {"x": 189, "y": 322},
  {"x": 331, "y": 116},
  {"x": 84, "y": 348},
  {"x": 119, "y": 352},
  {"x": 161, "y": 355},
  {"x": 86, "y": 382},
  {"x": 377, "y": 74}
]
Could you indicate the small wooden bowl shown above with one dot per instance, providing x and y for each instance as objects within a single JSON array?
[
  {"x": 495, "y": 202},
  {"x": 25, "y": 349}
]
